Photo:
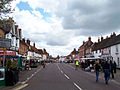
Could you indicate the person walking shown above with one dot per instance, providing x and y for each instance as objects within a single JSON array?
[
  {"x": 106, "y": 70},
  {"x": 77, "y": 65},
  {"x": 43, "y": 63},
  {"x": 115, "y": 67},
  {"x": 97, "y": 70},
  {"x": 112, "y": 69}
]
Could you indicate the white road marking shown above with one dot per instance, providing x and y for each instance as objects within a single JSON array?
[
  {"x": 20, "y": 87},
  {"x": 66, "y": 76},
  {"x": 77, "y": 86},
  {"x": 23, "y": 82},
  {"x": 58, "y": 67},
  {"x": 61, "y": 71}
]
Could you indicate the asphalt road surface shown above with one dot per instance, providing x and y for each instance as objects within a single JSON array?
[{"x": 60, "y": 76}]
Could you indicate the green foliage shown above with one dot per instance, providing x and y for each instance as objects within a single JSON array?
[
  {"x": 5, "y": 6},
  {"x": 5, "y": 23}
]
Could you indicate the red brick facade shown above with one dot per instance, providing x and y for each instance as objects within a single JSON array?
[
  {"x": 23, "y": 48},
  {"x": 85, "y": 48}
]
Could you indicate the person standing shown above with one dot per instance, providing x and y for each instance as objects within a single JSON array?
[
  {"x": 44, "y": 63},
  {"x": 97, "y": 70},
  {"x": 77, "y": 64},
  {"x": 106, "y": 70},
  {"x": 111, "y": 69},
  {"x": 115, "y": 67}
]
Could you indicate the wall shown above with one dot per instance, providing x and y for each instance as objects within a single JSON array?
[{"x": 116, "y": 55}]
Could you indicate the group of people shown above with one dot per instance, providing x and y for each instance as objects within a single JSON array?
[{"x": 107, "y": 67}]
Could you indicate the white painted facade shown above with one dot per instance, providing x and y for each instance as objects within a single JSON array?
[
  {"x": 44, "y": 57},
  {"x": 97, "y": 53},
  {"x": 34, "y": 55},
  {"x": 14, "y": 38},
  {"x": 115, "y": 53}
]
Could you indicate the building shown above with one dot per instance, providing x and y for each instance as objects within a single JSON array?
[
  {"x": 74, "y": 54},
  {"x": 23, "y": 48},
  {"x": 85, "y": 49},
  {"x": 45, "y": 54}
]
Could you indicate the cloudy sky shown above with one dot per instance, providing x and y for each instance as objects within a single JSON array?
[{"x": 61, "y": 25}]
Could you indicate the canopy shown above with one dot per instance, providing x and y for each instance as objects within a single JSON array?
[{"x": 78, "y": 58}]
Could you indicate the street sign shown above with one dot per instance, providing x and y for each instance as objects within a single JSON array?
[{"x": 6, "y": 43}]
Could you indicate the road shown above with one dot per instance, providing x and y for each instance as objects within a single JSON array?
[{"x": 60, "y": 76}]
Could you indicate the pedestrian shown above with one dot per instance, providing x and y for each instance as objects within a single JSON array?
[
  {"x": 77, "y": 64},
  {"x": 115, "y": 67},
  {"x": 97, "y": 70},
  {"x": 44, "y": 63},
  {"x": 111, "y": 69},
  {"x": 106, "y": 70}
]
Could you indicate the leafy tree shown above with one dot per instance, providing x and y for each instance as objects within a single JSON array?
[{"x": 5, "y": 8}]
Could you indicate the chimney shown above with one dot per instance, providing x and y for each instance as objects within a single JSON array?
[
  {"x": 101, "y": 38},
  {"x": 89, "y": 38},
  {"x": 20, "y": 33},
  {"x": 34, "y": 44},
  {"x": 23, "y": 39},
  {"x": 83, "y": 42},
  {"x": 114, "y": 34},
  {"x": 74, "y": 50},
  {"x": 28, "y": 41},
  {"x": 106, "y": 37},
  {"x": 98, "y": 40}
]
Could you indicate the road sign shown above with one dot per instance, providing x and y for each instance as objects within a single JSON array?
[{"x": 6, "y": 43}]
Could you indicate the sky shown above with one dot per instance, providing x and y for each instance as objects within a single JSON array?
[{"x": 62, "y": 25}]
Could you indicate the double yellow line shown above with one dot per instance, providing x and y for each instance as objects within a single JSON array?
[{"x": 20, "y": 87}]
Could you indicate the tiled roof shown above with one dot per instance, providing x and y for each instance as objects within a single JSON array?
[
  {"x": 112, "y": 41},
  {"x": 40, "y": 51},
  {"x": 107, "y": 43}
]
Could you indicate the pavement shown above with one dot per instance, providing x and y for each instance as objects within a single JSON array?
[{"x": 23, "y": 77}]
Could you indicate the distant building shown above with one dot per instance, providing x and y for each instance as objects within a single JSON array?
[{"x": 85, "y": 49}]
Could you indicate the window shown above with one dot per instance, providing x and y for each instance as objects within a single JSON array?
[
  {"x": 116, "y": 48},
  {"x": 96, "y": 51},
  {"x": 109, "y": 50},
  {"x": 118, "y": 61}
]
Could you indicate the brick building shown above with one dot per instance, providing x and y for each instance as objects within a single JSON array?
[{"x": 85, "y": 48}]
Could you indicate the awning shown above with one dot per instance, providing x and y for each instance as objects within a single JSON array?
[{"x": 78, "y": 58}]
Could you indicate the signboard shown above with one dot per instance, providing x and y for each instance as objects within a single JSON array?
[
  {"x": 8, "y": 53},
  {"x": 2, "y": 74},
  {"x": 5, "y": 43}
]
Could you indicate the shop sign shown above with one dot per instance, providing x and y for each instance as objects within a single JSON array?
[
  {"x": 5, "y": 43},
  {"x": 8, "y": 53}
]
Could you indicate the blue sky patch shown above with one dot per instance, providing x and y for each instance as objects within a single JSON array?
[
  {"x": 45, "y": 14},
  {"x": 24, "y": 6}
]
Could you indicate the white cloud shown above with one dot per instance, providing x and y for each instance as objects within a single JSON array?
[{"x": 70, "y": 23}]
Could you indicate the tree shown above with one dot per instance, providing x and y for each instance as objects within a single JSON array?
[{"x": 5, "y": 9}]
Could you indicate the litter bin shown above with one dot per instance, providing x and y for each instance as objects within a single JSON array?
[
  {"x": 2, "y": 76},
  {"x": 12, "y": 77}
]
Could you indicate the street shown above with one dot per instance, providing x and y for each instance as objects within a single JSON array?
[{"x": 60, "y": 76}]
